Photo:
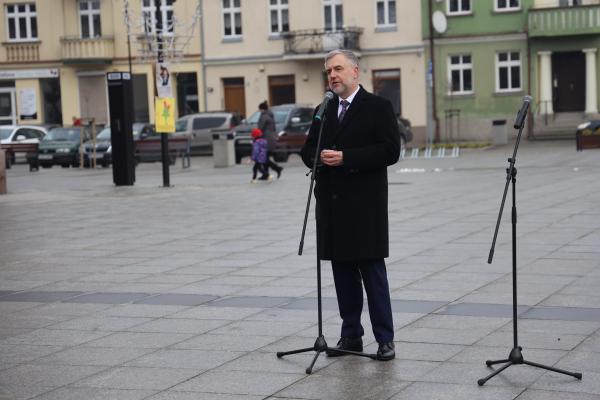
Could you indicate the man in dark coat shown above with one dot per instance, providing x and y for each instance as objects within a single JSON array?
[{"x": 360, "y": 139}]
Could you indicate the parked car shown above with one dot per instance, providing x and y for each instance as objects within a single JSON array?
[
  {"x": 291, "y": 124},
  {"x": 103, "y": 148},
  {"x": 60, "y": 146},
  {"x": 21, "y": 134},
  {"x": 199, "y": 128}
]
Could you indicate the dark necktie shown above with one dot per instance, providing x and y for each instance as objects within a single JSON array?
[{"x": 345, "y": 104}]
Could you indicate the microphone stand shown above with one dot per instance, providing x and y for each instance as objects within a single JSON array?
[
  {"x": 320, "y": 345},
  {"x": 515, "y": 357}
]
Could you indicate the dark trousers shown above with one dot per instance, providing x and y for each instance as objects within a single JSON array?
[
  {"x": 258, "y": 167},
  {"x": 349, "y": 277},
  {"x": 270, "y": 163}
]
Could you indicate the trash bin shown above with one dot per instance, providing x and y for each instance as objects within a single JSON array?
[
  {"x": 2, "y": 172},
  {"x": 223, "y": 148},
  {"x": 499, "y": 132}
]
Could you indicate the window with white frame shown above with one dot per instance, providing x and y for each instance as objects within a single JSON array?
[
  {"x": 569, "y": 3},
  {"x": 21, "y": 21},
  {"x": 508, "y": 71},
  {"x": 386, "y": 13},
  {"x": 232, "y": 18},
  {"x": 89, "y": 17},
  {"x": 460, "y": 74},
  {"x": 279, "y": 11},
  {"x": 334, "y": 15},
  {"x": 166, "y": 14},
  {"x": 507, "y": 5},
  {"x": 459, "y": 7}
]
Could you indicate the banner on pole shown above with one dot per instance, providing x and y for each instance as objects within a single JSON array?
[
  {"x": 165, "y": 114},
  {"x": 163, "y": 80}
]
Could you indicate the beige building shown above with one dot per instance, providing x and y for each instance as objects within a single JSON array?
[{"x": 54, "y": 54}]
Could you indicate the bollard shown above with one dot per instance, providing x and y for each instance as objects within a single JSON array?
[{"x": 2, "y": 172}]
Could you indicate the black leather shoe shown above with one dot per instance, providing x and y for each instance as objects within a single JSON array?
[
  {"x": 346, "y": 343},
  {"x": 279, "y": 172},
  {"x": 386, "y": 351}
]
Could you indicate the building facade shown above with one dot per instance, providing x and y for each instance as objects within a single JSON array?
[
  {"x": 55, "y": 54},
  {"x": 489, "y": 54},
  {"x": 54, "y": 57}
]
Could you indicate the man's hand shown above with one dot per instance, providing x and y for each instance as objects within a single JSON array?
[{"x": 333, "y": 158}]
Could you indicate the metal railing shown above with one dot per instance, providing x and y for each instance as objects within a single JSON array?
[{"x": 320, "y": 40}]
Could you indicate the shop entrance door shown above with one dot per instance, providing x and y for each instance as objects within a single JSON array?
[{"x": 8, "y": 116}]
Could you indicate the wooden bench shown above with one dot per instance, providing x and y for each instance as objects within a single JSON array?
[
  {"x": 178, "y": 146},
  {"x": 30, "y": 150},
  {"x": 587, "y": 140}
]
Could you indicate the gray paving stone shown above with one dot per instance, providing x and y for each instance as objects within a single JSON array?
[
  {"x": 531, "y": 394},
  {"x": 91, "y": 356},
  {"x": 107, "y": 298},
  {"x": 139, "y": 340},
  {"x": 40, "y": 297},
  {"x": 50, "y": 376},
  {"x": 239, "y": 382},
  {"x": 482, "y": 310},
  {"x": 95, "y": 394},
  {"x": 136, "y": 378},
  {"x": 174, "y": 299},
  {"x": 449, "y": 391},
  {"x": 173, "y": 395},
  {"x": 53, "y": 337},
  {"x": 100, "y": 323},
  {"x": 179, "y": 325},
  {"x": 199, "y": 360},
  {"x": 342, "y": 387},
  {"x": 226, "y": 342},
  {"x": 252, "y": 302}
]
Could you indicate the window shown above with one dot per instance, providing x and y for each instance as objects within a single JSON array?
[
  {"x": 232, "y": 18},
  {"x": 166, "y": 13},
  {"x": 460, "y": 74},
  {"x": 507, "y": 5},
  {"x": 459, "y": 6},
  {"x": 508, "y": 71},
  {"x": 89, "y": 16},
  {"x": 279, "y": 11},
  {"x": 334, "y": 16},
  {"x": 569, "y": 3},
  {"x": 22, "y": 22},
  {"x": 386, "y": 13}
]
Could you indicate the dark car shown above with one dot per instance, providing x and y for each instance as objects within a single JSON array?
[
  {"x": 102, "y": 151},
  {"x": 291, "y": 123},
  {"x": 60, "y": 146},
  {"x": 589, "y": 128}
]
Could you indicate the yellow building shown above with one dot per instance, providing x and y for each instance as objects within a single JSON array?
[{"x": 54, "y": 54}]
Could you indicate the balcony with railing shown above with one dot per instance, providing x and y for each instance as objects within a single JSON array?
[
  {"x": 77, "y": 50},
  {"x": 565, "y": 21},
  {"x": 315, "y": 42},
  {"x": 22, "y": 51}
]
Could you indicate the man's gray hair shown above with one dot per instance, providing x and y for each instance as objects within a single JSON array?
[{"x": 350, "y": 56}]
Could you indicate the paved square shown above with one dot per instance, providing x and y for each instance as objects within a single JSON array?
[{"x": 188, "y": 292}]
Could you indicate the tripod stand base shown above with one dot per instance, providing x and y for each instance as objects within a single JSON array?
[
  {"x": 515, "y": 358},
  {"x": 319, "y": 347}
]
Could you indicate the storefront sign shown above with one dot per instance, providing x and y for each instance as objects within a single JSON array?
[{"x": 29, "y": 73}]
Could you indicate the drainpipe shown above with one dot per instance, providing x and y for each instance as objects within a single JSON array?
[
  {"x": 202, "y": 56},
  {"x": 432, "y": 60}
]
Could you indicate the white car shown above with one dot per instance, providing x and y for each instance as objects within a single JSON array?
[{"x": 21, "y": 134}]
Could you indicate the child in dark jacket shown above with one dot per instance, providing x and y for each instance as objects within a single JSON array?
[{"x": 259, "y": 155}]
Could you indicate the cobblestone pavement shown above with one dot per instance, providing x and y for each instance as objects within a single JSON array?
[{"x": 188, "y": 292}]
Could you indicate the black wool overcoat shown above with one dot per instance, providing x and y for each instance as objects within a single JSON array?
[{"x": 352, "y": 199}]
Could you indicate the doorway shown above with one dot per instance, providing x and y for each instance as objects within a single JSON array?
[
  {"x": 282, "y": 90},
  {"x": 7, "y": 106},
  {"x": 386, "y": 83},
  {"x": 187, "y": 93},
  {"x": 235, "y": 95},
  {"x": 93, "y": 99},
  {"x": 568, "y": 81}
]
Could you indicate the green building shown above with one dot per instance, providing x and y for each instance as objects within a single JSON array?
[{"x": 488, "y": 54}]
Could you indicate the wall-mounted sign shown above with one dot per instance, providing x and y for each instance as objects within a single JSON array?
[{"x": 29, "y": 73}]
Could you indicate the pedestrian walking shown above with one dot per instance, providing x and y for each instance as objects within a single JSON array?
[{"x": 266, "y": 123}]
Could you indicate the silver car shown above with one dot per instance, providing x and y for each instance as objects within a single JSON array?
[{"x": 199, "y": 127}]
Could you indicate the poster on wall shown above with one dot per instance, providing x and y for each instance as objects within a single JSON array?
[
  {"x": 163, "y": 80},
  {"x": 27, "y": 104}
]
